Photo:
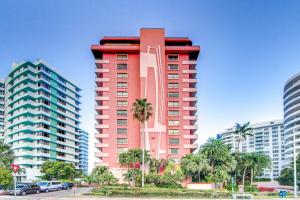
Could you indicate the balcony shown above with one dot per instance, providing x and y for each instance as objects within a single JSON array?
[
  {"x": 190, "y": 71},
  {"x": 189, "y": 99},
  {"x": 98, "y": 61},
  {"x": 190, "y": 146},
  {"x": 102, "y": 116},
  {"x": 102, "y": 79},
  {"x": 190, "y": 117},
  {"x": 97, "y": 164},
  {"x": 101, "y": 145},
  {"x": 190, "y": 127},
  {"x": 101, "y": 154},
  {"x": 189, "y": 62},
  {"x": 102, "y": 107},
  {"x": 102, "y": 126},
  {"x": 102, "y": 70},
  {"x": 189, "y": 89},
  {"x": 189, "y": 80},
  {"x": 102, "y": 98},
  {"x": 190, "y": 137},
  {"x": 102, "y": 89},
  {"x": 190, "y": 108},
  {"x": 100, "y": 136}
]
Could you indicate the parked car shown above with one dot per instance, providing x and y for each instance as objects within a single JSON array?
[
  {"x": 26, "y": 188},
  {"x": 67, "y": 186},
  {"x": 47, "y": 186}
]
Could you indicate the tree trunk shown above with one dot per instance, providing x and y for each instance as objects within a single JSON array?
[
  {"x": 252, "y": 174},
  {"x": 143, "y": 155},
  {"x": 199, "y": 177},
  {"x": 244, "y": 175}
]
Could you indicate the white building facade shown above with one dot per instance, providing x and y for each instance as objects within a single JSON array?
[{"x": 267, "y": 138}]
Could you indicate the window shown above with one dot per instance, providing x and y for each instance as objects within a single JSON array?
[
  {"x": 172, "y": 57},
  {"x": 122, "y": 85},
  {"x": 173, "y": 113},
  {"x": 121, "y": 121},
  {"x": 61, "y": 109},
  {"x": 173, "y": 94},
  {"x": 122, "y": 112},
  {"x": 122, "y": 75},
  {"x": 121, "y": 130},
  {"x": 173, "y": 151},
  {"x": 121, "y": 150},
  {"x": 173, "y": 141},
  {"x": 122, "y": 103},
  {"x": 62, "y": 80},
  {"x": 61, "y": 116},
  {"x": 61, "y": 94},
  {"x": 122, "y": 140},
  {"x": 173, "y": 122},
  {"x": 173, "y": 85},
  {"x": 60, "y": 154},
  {"x": 122, "y": 56},
  {"x": 43, "y": 134},
  {"x": 173, "y": 67},
  {"x": 60, "y": 146},
  {"x": 122, "y": 94},
  {"x": 61, "y": 139},
  {"x": 61, "y": 102},
  {"x": 61, "y": 124},
  {"x": 61, "y": 131},
  {"x": 173, "y": 76},
  {"x": 173, "y": 104},
  {"x": 121, "y": 66},
  {"x": 173, "y": 131}
]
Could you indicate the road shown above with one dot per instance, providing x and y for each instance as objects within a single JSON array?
[{"x": 63, "y": 194}]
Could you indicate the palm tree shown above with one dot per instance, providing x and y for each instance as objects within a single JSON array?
[
  {"x": 215, "y": 151},
  {"x": 142, "y": 111},
  {"x": 195, "y": 164},
  {"x": 260, "y": 162},
  {"x": 6, "y": 155},
  {"x": 242, "y": 131}
]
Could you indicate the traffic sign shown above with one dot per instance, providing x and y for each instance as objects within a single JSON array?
[{"x": 15, "y": 167}]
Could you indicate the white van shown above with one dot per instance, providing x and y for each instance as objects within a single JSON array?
[{"x": 47, "y": 186}]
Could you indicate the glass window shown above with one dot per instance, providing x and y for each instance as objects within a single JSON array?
[
  {"x": 173, "y": 57},
  {"x": 173, "y": 104},
  {"x": 121, "y": 121},
  {"x": 173, "y": 85},
  {"x": 173, "y": 76},
  {"x": 122, "y": 56},
  {"x": 173, "y": 113},
  {"x": 121, "y": 66},
  {"x": 173, "y": 151},
  {"x": 122, "y": 140},
  {"x": 122, "y": 112},
  {"x": 122, "y": 94},
  {"x": 173, "y": 67},
  {"x": 173, "y": 94},
  {"x": 121, "y": 130},
  {"x": 173, "y": 141},
  {"x": 122, "y": 75},
  {"x": 122, "y": 85},
  {"x": 173, "y": 122},
  {"x": 122, "y": 103}
]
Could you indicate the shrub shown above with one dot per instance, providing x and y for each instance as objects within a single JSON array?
[{"x": 166, "y": 180}]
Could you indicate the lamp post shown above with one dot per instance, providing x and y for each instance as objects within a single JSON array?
[{"x": 295, "y": 166}]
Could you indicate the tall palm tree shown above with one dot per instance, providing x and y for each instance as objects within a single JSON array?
[
  {"x": 6, "y": 155},
  {"x": 142, "y": 111},
  {"x": 242, "y": 131},
  {"x": 260, "y": 162}
]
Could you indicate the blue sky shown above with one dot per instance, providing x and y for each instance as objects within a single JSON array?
[{"x": 249, "y": 48}]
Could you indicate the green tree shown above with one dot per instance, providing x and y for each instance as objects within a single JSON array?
[
  {"x": 102, "y": 176},
  {"x": 192, "y": 164},
  {"x": 59, "y": 170},
  {"x": 142, "y": 111},
  {"x": 242, "y": 131},
  {"x": 6, "y": 155},
  {"x": 6, "y": 178},
  {"x": 260, "y": 162},
  {"x": 287, "y": 174},
  {"x": 220, "y": 160},
  {"x": 131, "y": 159}
]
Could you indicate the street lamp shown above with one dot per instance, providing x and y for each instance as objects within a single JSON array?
[{"x": 295, "y": 166}]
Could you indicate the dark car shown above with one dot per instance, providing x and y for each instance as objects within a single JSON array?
[
  {"x": 26, "y": 188},
  {"x": 67, "y": 186}
]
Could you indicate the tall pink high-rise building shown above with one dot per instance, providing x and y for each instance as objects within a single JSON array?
[{"x": 161, "y": 69}]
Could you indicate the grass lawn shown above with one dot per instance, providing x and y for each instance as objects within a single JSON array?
[{"x": 152, "y": 192}]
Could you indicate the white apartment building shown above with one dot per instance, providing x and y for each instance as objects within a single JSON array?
[{"x": 267, "y": 138}]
